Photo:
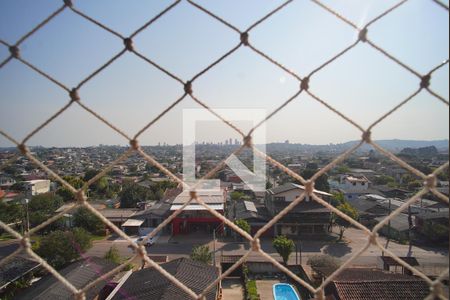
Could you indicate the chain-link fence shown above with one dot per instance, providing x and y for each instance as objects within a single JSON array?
[{"x": 188, "y": 90}]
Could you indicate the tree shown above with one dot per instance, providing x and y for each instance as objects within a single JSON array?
[
  {"x": 65, "y": 193},
  {"x": 60, "y": 248},
  {"x": 85, "y": 219},
  {"x": 42, "y": 207},
  {"x": 89, "y": 174},
  {"x": 414, "y": 185},
  {"x": 321, "y": 182},
  {"x": 133, "y": 193},
  {"x": 337, "y": 199},
  {"x": 243, "y": 224},
  {"x": 201, "y": 254},
  {"x": 284, "y": 247},
  {"x": 346, "y": 208},
  {"x": 318, "y": 262},
  {"x": 101, "y": 186},
  {"x": 113, "y": 255},
  {"x": 436, "y": 233},
  {"x": 237, "y": 195},
  {"x": 11, "y": 212},
  {"x": 383, "y": 180},
  {"x": 342, "y": 169}
]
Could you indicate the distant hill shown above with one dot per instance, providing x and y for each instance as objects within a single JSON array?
[{"x": 399, "y": 145}]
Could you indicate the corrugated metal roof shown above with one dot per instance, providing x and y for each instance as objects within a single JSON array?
[
  {"x": 133, "y": 223},
  {"x": 194, "y": 207},
  {"x": 209, "y": 197},
  {"x": 250, "y": 206},
  {"x": 292, "y": 186}
]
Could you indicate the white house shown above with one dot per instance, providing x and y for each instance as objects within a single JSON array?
[
  {"x": 6, "y": 182},
  {"x": 354, "y": 186},
  {"x": 37, "y": 187},
  {"x": 353, "y": 183}
]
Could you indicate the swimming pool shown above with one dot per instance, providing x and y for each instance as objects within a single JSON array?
[{"x": 283, "y": 291}]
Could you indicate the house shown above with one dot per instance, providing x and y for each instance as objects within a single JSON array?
[
  {"x": 37, "y": 187},
  {"x": 363, "y": 283},
  {"x": 151, "y": 284},
  {"x": 369, "y": 209},
  {"x": 6, "y": 182},
  {"x": 154, "y": 215},
  {"x": 433, "y": 226},
  {"x": 18, "y": 267},
  {"x": 80, "y": 274},
  {"x": 354, "y": 183},
  {"x": 397, "y": 228},
  {"x": 308, "y": 217},
  {"x": 256, "y": 215},
  {"x": 390, "y": 192},
  {"x": 432, "y": 218},
  {"x": 354, "y": 186},
  {"x": 196, "y": 217},
  {"x": 389, "y": 262}
]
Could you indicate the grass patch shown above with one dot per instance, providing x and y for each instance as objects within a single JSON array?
[
  {"x": 6, "y": 237},
  {"x": 98, "y": 237}
]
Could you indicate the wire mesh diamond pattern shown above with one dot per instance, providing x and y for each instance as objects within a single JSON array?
[{"x": 187, "y": 90}]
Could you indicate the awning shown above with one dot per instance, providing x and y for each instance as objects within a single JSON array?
[
  {"x": 133, "y": 223},
  {"x": 196, "y": 207}
]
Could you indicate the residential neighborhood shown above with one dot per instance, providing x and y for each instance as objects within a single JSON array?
[{"x": 196, "y": 246}]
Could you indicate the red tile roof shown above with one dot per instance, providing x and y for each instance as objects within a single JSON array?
[{"x": 356, "y": 284}]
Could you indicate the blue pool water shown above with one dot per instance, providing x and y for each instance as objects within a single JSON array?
[{"x": 283, "y": 291}]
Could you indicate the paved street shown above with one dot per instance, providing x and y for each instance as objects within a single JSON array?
[{"x": 432, "y": 260}]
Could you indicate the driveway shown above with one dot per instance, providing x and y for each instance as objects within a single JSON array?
[{"x": 232, "y": 289}]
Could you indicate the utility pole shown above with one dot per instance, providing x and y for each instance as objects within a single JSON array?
[
  {"x": 389, "y": 223},
  {"x": 25, "y": 201},
  {"x": 301, "y": 260},
  {"x": 214, "y": 247},
  {"x": 410, "y": 223},
  {"x": 389, "y": 227}
]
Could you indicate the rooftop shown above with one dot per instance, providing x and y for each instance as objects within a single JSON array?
[
  {"x": 292, "y": 186},
  {"x": 356, "y": 284},
  {"x": 210, "y": 197},
  {"x": 151, "y": 284},
  {"x": 79, "y": 274}
]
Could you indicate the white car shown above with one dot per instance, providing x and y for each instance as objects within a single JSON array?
[{"x": 149, "y": 241}]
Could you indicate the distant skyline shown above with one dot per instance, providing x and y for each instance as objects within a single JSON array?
[{"x": 363, "y": 84}]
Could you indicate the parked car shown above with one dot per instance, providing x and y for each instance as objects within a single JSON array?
[{"x": 148, "y": 243}]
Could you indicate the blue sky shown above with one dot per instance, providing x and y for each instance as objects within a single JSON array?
[{"x": 363, "y": 84}]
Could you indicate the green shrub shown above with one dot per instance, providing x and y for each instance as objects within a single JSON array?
[
  {"x": 243, "y": 224},
  {"x": 252, "y": 291}
]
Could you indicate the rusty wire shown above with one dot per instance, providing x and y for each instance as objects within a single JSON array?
[{"x": 424, "y": 84}]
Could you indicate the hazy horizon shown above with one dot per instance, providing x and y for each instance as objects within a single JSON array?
[
  {"x": 363, "y": 84},
  {"x": 218, "y": 143}
]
